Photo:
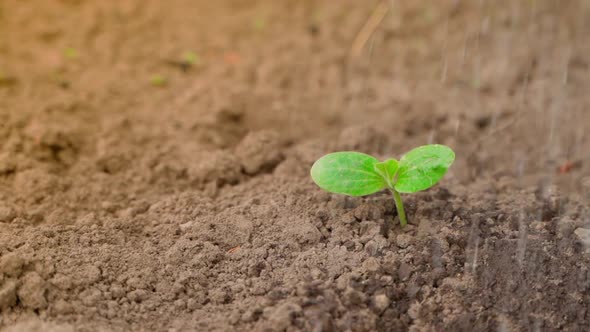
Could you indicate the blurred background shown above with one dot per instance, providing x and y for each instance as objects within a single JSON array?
[{"x": 503, "y": 82}]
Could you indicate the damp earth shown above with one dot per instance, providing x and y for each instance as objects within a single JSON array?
[{"x": 155, "y": 156}]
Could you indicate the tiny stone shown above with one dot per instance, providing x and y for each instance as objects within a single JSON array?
[
  {"x": 62, "y": 307},
  {"x": 90, "y": 297},
  {"x": 538, "y": 226},
  {"x": 137, "y": 295},
  {"x": 381, "y": 302},
  {"x": 348, "y": 219},
  {"x": 565, "y": 227},
  {"x": 354, "y": 297},
  {"x": 370, "y": 230},
  {"x": 403, "y": 240},
  {"x": 234, "y": 317},
  {"x": 316, "y": 274},
  {"x": 409, "y": 228},
  {"x": 193, "y": 304},
  {"x": 372, "y": 248},
  {"x": 387, "y": 280},
  {"x": 586, "y": 185},
  {"x": 322, "y": 215},
  {"x": 583, "y": 235},
  {"x": 250, "y": 316},
  {"x": 371, "y": 264},
  {"x": 342, "y": 281},
  {"x": 117, "y": 292},
  {"x": 180, "y": 304},
  {"x": 405, "y": 270}
]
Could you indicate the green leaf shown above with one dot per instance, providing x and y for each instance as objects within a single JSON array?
[
  {"x": 423, "y": 167},
  {"x": 387, "y": 170},
  {"x": 158, "y": 80},
  {"x": 191, "y": 58},
  {"x": 348, "y": 173},
  {"x": 70, "y": 53}
]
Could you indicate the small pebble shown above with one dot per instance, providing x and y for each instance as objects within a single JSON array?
[
  {"x": 403, "y": 241},
  {"x": 381, "y": 302}
]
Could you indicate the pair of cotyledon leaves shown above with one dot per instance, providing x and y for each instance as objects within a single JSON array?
[{"x": 359, "y": 174}]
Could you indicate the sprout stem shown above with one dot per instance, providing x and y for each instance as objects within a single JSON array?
[{"x": 399, "y": 205}]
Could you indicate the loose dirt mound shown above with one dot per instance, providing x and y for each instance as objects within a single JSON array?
[{"x": 185, "y": 204}]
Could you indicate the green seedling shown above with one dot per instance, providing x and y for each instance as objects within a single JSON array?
[
  {"x": 70, "y": 53},
  {"x": 259, "y": 24},
  {"x": 191, "y": 58},
  {"x": 158, "y": 80},
  {"x": 358, "y": 174}
]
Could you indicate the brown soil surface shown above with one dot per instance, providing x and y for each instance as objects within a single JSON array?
[{"x": 184, "y": 202}]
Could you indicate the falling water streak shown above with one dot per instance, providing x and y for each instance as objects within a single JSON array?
[
  {"x": 534, "y": 9},
  {"x": 464, "y": 52},
  {"x": 503, "y": 326},
  {"x": 514, "y": 17},
  {"x": 457, "y": 126},
  {"x": 522, "y": 239},
  {"x": 551, "y": 146},
  {"x": 565, "y": 76},
  {"x": 537, "y": 325},
  {"x": 556, "y": 109},
  {"x": 392, "y": 7},
  {"x": 510, "y": 41},
  {"x": 475, "y": 254},
  {"x": 476, "y": 52},
  {"x": 445, "y": 61},
  {"x": 521, "y": 161},
  {"x": 579, "y": 142},
  {"x": 366, "y": 92},
  {"x": 582, "y": 20},
  {"x": 471, "y": 248},
  {"x": 541, "y": 96},
  {"x": 525, "y": 85},
  {"x": 566, "y": 66},
  {"x": 516, "y": 14},
  {"x": 431, "y": 136},
  {"x": 504, "y": 65},
  {"x": 443, "y": 76},
  {"x": 542, "y": 114},
  {"x": 528, "y": 35}
]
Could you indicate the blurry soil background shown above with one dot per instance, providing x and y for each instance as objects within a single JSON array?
[{"x": 146, "y": 188}]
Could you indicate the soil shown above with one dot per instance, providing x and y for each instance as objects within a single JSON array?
[{"x": 183, "y": 202}]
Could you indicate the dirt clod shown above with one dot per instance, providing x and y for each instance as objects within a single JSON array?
[
  {"x": 31, "y": 292},
  {"x": 12, "y": 264},
  {"x": 8, "y": 294},
  {"x": 7, "y": 214},
  {"x": 583, "y": 235},
  {"x": 283, "y": 316},
  {"x": 259, "y": 151}
]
